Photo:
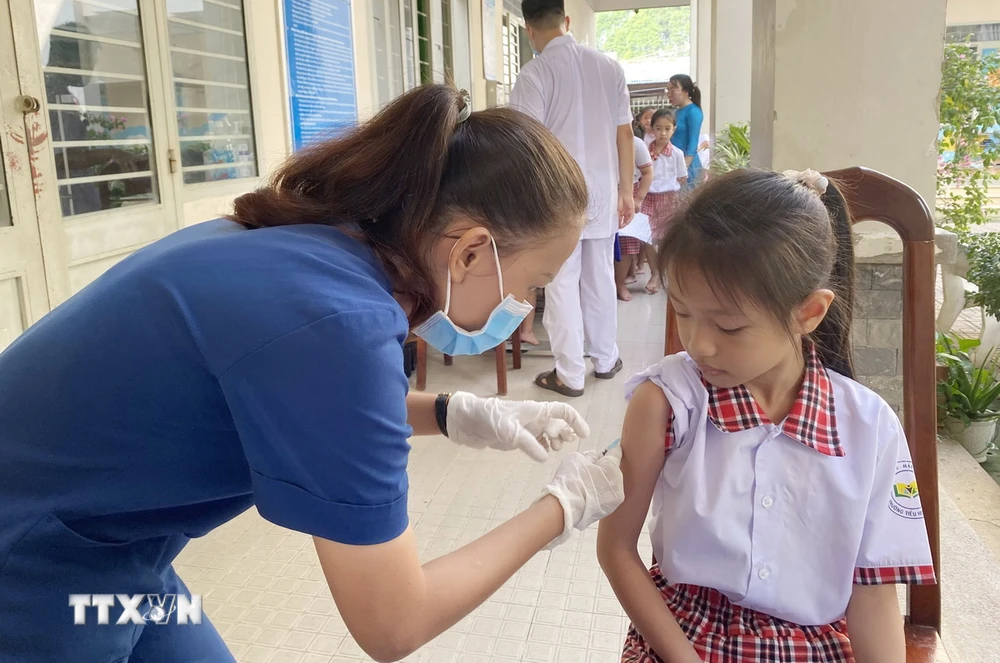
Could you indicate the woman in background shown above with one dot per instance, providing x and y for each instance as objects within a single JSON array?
[{"x": 686, "y": 97}]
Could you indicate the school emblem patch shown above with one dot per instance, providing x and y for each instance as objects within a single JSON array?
[{"x": 905, "y": 498}]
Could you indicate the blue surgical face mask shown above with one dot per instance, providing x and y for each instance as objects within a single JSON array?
[{"x": 448, "y": 338}]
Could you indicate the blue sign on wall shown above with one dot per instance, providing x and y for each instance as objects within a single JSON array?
[{"x": 320, "y": 68}]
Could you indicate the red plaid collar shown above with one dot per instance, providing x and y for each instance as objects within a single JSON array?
[
  {"x": 811, "y": 421},
  {"x": 654, "y": 155}
]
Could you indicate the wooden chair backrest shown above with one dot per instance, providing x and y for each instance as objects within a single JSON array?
[{"x": 874, "y": 196}]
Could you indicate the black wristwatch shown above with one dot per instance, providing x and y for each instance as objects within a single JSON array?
[{"x": 441, "y": 412}]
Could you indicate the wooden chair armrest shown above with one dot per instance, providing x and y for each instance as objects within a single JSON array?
[{"x": 923, "y": 645}]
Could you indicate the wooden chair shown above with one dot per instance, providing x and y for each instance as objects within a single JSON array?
[
  {"x": 501, "y": 355},
  {"x": 874, "y": 196}
]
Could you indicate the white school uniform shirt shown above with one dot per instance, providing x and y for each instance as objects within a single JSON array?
[
  {"x": 642, "y": 159},
  {"x": 581, "y": 95},
  {"x": 668, "y": 165},
  {"x": 703, "y": 155},
  {"x": 785, "y": 519}
]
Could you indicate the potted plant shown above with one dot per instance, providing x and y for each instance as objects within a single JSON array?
[
  {"x": 967, "y": 397},
  {"x": 732, "y": 149}
]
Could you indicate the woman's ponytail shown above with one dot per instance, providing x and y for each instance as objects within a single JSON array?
[
  {"x": 382, "y": 176},
  {"x": 370, "y": 175},
  {"x": 695, "y": 95},
  {"x": 833, "y": 336},
  {"x": 396, "y": 181}
]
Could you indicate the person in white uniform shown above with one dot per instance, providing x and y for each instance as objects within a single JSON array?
[{"x": 581, "y": 95}]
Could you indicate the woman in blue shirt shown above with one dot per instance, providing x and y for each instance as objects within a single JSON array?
[
  {"x": 258, "y": 361},
  {"x": 686, "y": 97}
]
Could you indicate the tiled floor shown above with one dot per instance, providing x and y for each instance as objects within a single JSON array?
[{"x": 264, "y": 590}]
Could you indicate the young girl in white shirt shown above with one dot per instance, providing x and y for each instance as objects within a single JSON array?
[
  {"x": 784, "y": 504},
  {"x": 644, "y": 125},
  {"x": 642, "y": 177},
  {"x": 669, "y": 174}
]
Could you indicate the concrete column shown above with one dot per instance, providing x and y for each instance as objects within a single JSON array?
[
  {"x": 854, "y": 83},
  {"x": 846, "y": 83},
  {"x": 582, "y": 21},
  {"x": 732, "y": 32},
  {"x": 701, "y": 53}
]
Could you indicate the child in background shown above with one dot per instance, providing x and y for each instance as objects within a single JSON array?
[
  {"x": 643, "y": 126},
  {"x": 704, "y": 154},
  {"x": 784, "y": 505},
  {"x": 642, "y": 178},
  {"x": 669, "y": 175}
]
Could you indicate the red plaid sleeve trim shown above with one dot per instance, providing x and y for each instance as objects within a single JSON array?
[
  {"x": 668, "y": 440},
  {"x": 896, "y": 575}
]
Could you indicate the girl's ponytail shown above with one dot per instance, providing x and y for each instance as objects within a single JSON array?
[{"x": 833, "y": 336}]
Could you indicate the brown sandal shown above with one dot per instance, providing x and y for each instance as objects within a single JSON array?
[
  {"x": 549, "y": 380},
  {"x": 612, "y": 373}
]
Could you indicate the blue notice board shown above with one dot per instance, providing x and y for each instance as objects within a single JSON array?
[{"x": 320, "y": 55}]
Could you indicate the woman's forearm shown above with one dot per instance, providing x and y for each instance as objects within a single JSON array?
[
  {"x": 688, "y": 161},
  {"x": 459, "y": 581},
  {"x": 394, "y": 605},
  {"x": 645, "y": 607},
  {"x": 420, "y": 413}
]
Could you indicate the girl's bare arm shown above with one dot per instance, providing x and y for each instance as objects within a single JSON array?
[
  {"x": 875, "y": 625},
  {"x": 644, "y": 452}
]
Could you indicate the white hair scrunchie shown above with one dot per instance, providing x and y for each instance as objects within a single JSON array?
[
  {"x": 809, "y": 178},
  {"x": 466, "y": 111}
]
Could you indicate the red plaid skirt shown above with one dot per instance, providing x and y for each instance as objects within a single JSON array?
[
  {"x": 725, "y": 633},
  {"x": 660, "y": 208},
  {"x": 630, "y": 245}
]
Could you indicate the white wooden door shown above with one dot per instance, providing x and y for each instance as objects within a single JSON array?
[
  {"x": 103, "y": 173},
  {"x": 23, "y": 297},
  {"x": 212, "y": 113}
]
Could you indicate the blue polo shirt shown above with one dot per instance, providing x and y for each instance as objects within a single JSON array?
[{"x": 217, "y": 369}]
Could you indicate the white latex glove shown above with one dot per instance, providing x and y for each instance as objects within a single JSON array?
[
  {"x": 589, "y": 486},
  {"x": 530, "y": 426}
]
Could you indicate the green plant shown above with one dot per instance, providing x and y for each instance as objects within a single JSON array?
[
  {"x": 971, "y": 389},
  {"x": 102, "y": 125},
  {"x": 983, "y": 251},
  {"x": 968, "y": 146},
  {"x": 732, "y": 148}
]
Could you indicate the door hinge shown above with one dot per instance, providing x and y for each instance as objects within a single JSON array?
[
  {"x": 172, "y": 159},
  {"x": 28, "y": 104}
]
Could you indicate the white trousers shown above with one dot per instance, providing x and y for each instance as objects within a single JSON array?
[{"x": 581, "y": 304}]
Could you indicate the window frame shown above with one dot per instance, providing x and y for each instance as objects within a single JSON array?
[{"x": 186, "y": 193}]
